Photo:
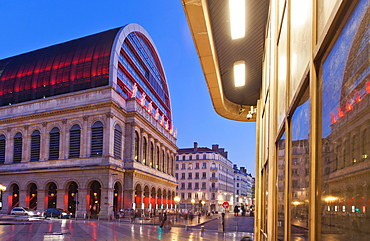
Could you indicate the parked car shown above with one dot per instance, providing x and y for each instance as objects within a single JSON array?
[
  {"x": 57, "y": 213},
  {"x": 23, "y": 211}
]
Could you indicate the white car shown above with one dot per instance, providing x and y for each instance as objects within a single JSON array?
[{"x": 23, "y": 211}]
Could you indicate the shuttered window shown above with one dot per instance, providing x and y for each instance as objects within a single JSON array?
[
  {"x": 136, "y": 157},
  {"x": 54, "y": 144},
  {"x": 2, "y": 149},
  {"x": 145, "y": 147},
  {"x": 17, "y": 151},
  {"x": 117, "y": 142},
  {"x": 35, "y": 145},
  {"x": 97, "y": 139},
  {"x": 74, "y": 141}
]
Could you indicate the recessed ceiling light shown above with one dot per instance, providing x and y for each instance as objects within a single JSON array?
[
  {"x": 237, "y": 18},
  {"x": 239, "y": 73}
]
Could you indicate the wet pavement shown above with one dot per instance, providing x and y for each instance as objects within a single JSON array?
[{"x": 205, "y": 228}]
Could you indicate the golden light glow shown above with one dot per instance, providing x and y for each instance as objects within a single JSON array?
[
  {"x": 15, "y": 195},
  {"x": 192, "y": 201},
  {"x": 239, "y": 73},
  {"x": 2, "y": 188},
  {"x": 95, "y": 194},
  {"x": 330, "y": 199},
  {"x": 295, "y": 203},
  {"x": 177, "y": 199},
  {"x": 203, "y": 202},
  {"x": 115, "y": 194},
  {"x": 237, "y": 18}
]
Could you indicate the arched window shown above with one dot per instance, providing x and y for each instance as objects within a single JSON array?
[
  {"x": 145, "y": 146},
  {"x": 17, "y": 151},
  {"x": 163, "y": 161},
  {"x": 35, "y": 145},
  {"x": 136, "y": 156},
  {"x": 74, "y": 141},
  {"x": 168, "y": 160},
  {"x": 97, "y": 139},
  {"x": 117, "y": 142},
  {"x": 54, "y": 144},
  {"x": 157, "y": 160},
  {"x": 2, "y": 149},
  {"x": 151, "y": 155}
]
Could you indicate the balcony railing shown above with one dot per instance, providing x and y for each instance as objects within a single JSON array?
[
  {"x": 214, "y": 168},
  {"x": 213, "y": 178},
  {"x": 213, "y": 189}
]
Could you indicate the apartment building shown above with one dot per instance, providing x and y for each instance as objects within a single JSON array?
[{"x": 205, "y": 178}]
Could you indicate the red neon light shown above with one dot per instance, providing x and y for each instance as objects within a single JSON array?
[
  {"x": 340, "y": 112},
  {"x": 349, "y": 107}
]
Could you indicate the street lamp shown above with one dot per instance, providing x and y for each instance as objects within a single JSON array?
[
  {"x": 192, "y": 202},
  {"x": 203, "y": 202},
  {"x": 177, "y": 200}
]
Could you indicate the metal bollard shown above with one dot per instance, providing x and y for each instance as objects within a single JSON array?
[
  {"x": 186, "y": 227},
  {"x": 236, "y": 227},
  {"x": 202, "y": 228}
]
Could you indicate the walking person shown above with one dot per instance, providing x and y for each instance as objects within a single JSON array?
[
  {"x": 164, "y": 219},
  {"x": 236, "y": 210}
]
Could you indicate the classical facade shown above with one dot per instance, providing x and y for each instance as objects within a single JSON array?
[
  {"x": 86, "y": 126},
  {"x": 205, "y": 178},
  {"x": 244, "y": 187},
  {"x": 306, "y": 83}
]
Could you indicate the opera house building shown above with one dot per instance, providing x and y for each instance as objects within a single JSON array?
[{"x": 86, "y": 126}]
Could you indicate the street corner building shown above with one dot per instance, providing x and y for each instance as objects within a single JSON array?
[
  {"x": 86, "y": 126},
  {"x": 301, "y": 71}
]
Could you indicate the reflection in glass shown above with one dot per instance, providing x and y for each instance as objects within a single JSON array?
[
  {"x": 300, "y": 171},
  {"x": 281, "y": 186},
  {"x": 345, "y": 132}
]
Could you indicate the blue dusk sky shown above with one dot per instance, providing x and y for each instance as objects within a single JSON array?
[{"x": 30, "y": 25}]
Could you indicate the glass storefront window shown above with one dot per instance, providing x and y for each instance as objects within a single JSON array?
[
  {"x": 281, "y": 186},
  {"x": 345, "y": 77},
  {"x": 299, "y": 199}
]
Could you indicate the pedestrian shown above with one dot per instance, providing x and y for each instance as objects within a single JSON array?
[
  {"x": 191, "y": 217},
  {"x": 236, "y": 210},
  {"x": 243, "y": 210},
  {"x": 164, "y": 219},
  {"x": 132, "y": 215}
]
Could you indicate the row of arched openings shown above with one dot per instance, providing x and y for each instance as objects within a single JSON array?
[
  {"x": 51, "y": 193},
  {"x": 152, "y": 156}
]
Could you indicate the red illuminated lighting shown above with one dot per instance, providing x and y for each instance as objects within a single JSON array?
[
  {"x": 349, "y": 107},
  {"x": 340, "y": 112}
]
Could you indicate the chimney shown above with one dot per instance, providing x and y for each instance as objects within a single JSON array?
[
  {"x": 195, "y": 146},
  {"x": 235, "y": 167},
  {"x": 214, "y": 147}
]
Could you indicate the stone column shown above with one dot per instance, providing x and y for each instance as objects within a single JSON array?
[
  {"x": 82, "y": 203},
  {"x": 85, "y": 137},
  {"x": 61, "y": 197},
  {"x": 128, "y": 198},
  {"x": 108, "y": 147},
  {"x": 44, "y": 142},
  {"x": 22, "y": 198},
  {"x": 9, "y": 147},
  {"x": 26, "y": 145},
  {"x": 63, "y": 150},
  {"x": 41, "y": 196},
  {"x": 6, "y": 204},
  {"x": 106, "y": 203}
]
